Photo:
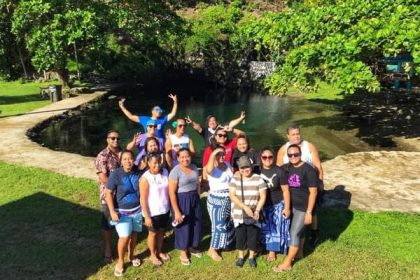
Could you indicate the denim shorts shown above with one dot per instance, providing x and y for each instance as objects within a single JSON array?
[{"x": 128, "y": 223}]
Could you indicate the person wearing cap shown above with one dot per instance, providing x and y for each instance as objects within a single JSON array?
[
  {"x": 156, "y": 116},
  {"x": 177, "y": 141},
  {"x": 139, "y": 140},
  {"x": 247, "y": 192},
  {"x": 310, "y": 155},
  {"x": 212, "y": 124}
]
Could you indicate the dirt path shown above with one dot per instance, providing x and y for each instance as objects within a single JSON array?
[
  {"x": 16, "y": 147},
  {"x": 372, "y": 181}
]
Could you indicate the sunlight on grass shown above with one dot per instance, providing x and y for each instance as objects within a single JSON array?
[{"x": 58, "y": 220}]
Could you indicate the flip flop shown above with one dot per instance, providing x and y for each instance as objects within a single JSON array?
[
  {"x": 164, "y": 257},
  {"x": 185, "y": 261},
  {"x": 136, "y": 262},
  {"x": 271, "y": 258},
  {"x": 118, "y": 272},
  {"x": 196, "y": 253},
  {"x": 155, "y": 262},
  {"x": 280, "y": 269},
  {"x": 215, "y": 257}
]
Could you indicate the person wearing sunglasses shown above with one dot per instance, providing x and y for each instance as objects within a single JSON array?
[
  {"x": 220, "y": 138},
  {"x": 219, "y": 173},
  {"x": 176, "y": 141},
  {"x": 123, "y": 201},
  {"x": 276, "y": 212},
  {"x": 243, "y": 149},
  {"x": 211, "y": 125},
  {"x": 139, "y": 141},
  {"x": 156, "y": 116},
  {"x": 154, "y": 196},
  {"x": 303, "y": 185},
  {"x": 247, "y": 191},
  {"x": 310, "y": 155},
  {"x": 106, "y": 162}
]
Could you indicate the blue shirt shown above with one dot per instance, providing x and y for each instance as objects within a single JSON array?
[
  {"x": 160, "y": 122},
  {"x": 126, "y": 188}
]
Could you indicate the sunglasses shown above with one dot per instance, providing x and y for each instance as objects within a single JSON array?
[
  {"x": 293, "y": 155},
  {"x": 221, "y": 154},
  {"x": 267, "y": 157},
  {"x": 222, "y": 135},
  {"x": 114, "y": 138},
  {"x": 182, "y": 125},
  {"x": 152, "y": 125}
]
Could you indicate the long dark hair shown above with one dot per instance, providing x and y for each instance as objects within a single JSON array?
[
  {"x": 149, "y": 139},
  {"x": 213, "y": 142}
]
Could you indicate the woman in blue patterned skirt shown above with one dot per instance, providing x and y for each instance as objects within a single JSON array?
[
  {"x": 219, "y": 174},
  {"x": 275, "y": 223}
]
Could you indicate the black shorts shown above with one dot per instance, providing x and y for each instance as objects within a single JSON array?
[
  {"x": 159, "y": 222},
  {"x": 105, "y": 218}
]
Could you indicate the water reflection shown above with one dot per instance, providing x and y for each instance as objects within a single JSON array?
[{"x": 267, "y": 118}]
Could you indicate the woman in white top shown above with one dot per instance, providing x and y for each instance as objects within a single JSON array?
[
  {"x": 218, "y": 202},
  {"x": 154, "y": 196}
]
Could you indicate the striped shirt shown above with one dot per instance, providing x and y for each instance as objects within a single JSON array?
[{"x": 251, "y": 190}]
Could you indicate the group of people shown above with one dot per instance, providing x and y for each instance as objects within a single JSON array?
[{"x": 254, "y": 200}]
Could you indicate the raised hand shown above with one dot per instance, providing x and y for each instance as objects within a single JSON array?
[
  {"x": 121, "y": 102},
  {"x": 173, "y": 97},
  {"x": 188, "y": 120}
]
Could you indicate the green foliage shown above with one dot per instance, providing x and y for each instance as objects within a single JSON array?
[
  {"x": 51, "y": 28},
  {"x": 339, "y": 43}
]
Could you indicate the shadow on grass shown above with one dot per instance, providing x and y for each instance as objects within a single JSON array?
[
  {"x": 333, "y": 217},
  {"x": 16, "y": 99},
  {"x": 46, "y": 237}
]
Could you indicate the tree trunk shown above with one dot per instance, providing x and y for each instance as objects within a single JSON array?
[
  {"x": 63, "y": 75},
  {"x": 23, "y": 63}
]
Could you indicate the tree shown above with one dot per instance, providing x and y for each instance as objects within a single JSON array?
[{"x": 50, "y": 28}]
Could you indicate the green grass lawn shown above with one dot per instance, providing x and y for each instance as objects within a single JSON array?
[
  {"x": 18, "y": 98},
  {"x": 50, "y": 229}
]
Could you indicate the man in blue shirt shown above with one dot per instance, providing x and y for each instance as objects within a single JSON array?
[{"x": 156, "y": 116}]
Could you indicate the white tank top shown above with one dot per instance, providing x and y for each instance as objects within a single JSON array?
[
  {"x": 177, "y": 144},
  {"x": 219, "y": 180},
  {"x": 306, "y": 153},
  {"x": 158, "y": 192}
]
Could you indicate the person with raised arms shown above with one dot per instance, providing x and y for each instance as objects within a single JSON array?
[
  {"x": 211, "y": 124},
  {"x": 156, "y": 116}
]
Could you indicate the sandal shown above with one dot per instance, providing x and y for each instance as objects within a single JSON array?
[
  {"x": 136, "y": 262},
  {"x": 196, "y": 253},
  {"x": 164, "y": 256},
  {"x": 281, "y": 269},
  {"x": 185, "y": 261},
  {"x": 118, "y": 272},
  {"x": 215, "y": 257},
  {"x": 155, "y": 262},
  {"x": 271, "y": 258}
]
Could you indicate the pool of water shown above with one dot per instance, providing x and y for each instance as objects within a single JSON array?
[{"x": 267, "y": 118}]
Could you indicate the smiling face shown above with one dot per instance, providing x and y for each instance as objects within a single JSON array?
[
  {"x": 294, "y": 136},
  {"x": 267, "y": 159},
  {"x": 127, "y": 161},
  {"x": 113, "y": 140},
  {"x": 242, "y": 145},
  {"x": 180, "y": 126},
  {"x": 152, "y": 146},
  {"x": 155, "y": 164},
  {"x": 184, "y": 158},
  {"x": 293, "y": 153},
  {"x": 220, "y": 136},
  {"x": 151, "y": 129},
  {"x": 212, "y": 123},
  {"x": 246, "y": 171},
  {"x": 220, "y": 157}
]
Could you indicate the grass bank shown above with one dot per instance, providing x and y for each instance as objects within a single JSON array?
[
  {"x": 18, "y": 98},
  {"x": 50, "y": 228}
]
